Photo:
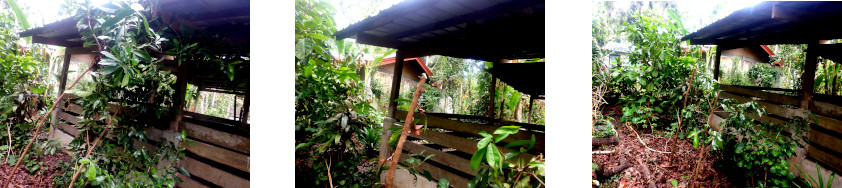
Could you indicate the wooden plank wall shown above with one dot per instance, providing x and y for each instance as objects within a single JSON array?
[
  {"x": 453, "y": 142},
  {"x": 825, "y": 134},
  {"x": 216, "y": 159}
]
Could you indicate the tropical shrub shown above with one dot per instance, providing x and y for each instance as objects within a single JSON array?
[
  {"x": 759, "y": 151},
  {"x": 653, "y": 87},
  {"x": 336, "y": 130},
  {"x": 763, "y": 75}
]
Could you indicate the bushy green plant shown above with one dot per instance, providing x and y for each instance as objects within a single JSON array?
[
  {"x": 760, "y": 150},
  {"x": 134, "y": 81},
  {"x": 336, "y": 130},
  {"x": 763, "y": 75}
]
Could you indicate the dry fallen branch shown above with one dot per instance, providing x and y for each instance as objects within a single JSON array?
[
  {"x": 641, "y": 141},
  {"x": 611, "y": 171},
  {"x": 602, "y": 152}
]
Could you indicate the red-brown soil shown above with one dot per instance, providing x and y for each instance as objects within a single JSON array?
[
  {"x": 23, "y": 179},
  {"x": 663, "y": 168}
]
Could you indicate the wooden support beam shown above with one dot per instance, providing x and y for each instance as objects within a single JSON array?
[
  {"x": 529, "y": 117},
  {"x": 179, "y": 96},
  {"x": 491, "y": 92},
  {"x": 62, "y": 83},
  {"x": 809, "y": 75},
  {"x": 396, "y": 82}
]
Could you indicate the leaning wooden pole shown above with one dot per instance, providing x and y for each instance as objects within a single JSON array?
[
  {"x": 38, "y": 127},
  {"x": 406, "y": 128},
  {"x": 705, "y": 147}
]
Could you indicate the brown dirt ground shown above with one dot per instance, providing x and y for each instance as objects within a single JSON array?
[
  {"x": 23, "y": 179},
  {"x": 661, "y": 167}
]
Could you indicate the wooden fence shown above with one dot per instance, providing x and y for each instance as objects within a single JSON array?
[
  {"x": 825, "y": 135},
  {"x": 453, "y": 142},
  {"x": 218, "y": 157}
]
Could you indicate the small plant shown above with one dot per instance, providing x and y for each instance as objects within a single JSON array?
[
  {"x": 817, "y": 183},
  {"x": 506, "y": 170},
  {"x": 760, "y": 149}
]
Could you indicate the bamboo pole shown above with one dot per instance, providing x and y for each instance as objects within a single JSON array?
[{"x": 406, "y": 128}]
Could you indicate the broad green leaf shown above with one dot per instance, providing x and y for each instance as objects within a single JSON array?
[
  {"x": 91, "y": 172},
  {"x": 518, "y": 143},
  {"x": 319, "y": 36},
  {"x": 476, "y": 159},
  {"x": 19, "y": 15},
  {"x": 484, "y": 134},
  {"x": 512, "y": 154},
  {"x": 483, "y": 142},
  {"x": 84, "y": 161},
  {"x": 301, "y": 48},
  {"x": 126, "y": 11},
  {"x": 125, "y": 81},
  {"x": 109, "y": 69},
  {"x": 493, "y": 157},
  {"x": 443, "y": 183}
]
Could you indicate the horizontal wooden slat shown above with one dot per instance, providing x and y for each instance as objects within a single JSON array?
[
  {"x": 822, "y": 121},
  {"x": 444, "y": 158},
  {"x": 825, "y": 140},
  {"x": 774, "y": 97},
  {"x": 67, "y": 117},
  {"x": 438, "y": 173},
  {"x": 188, "y": 182},
  {"x": 458, "y": 143},
  {"x": 220, "y": 155},
  {"x": 71, "y": 107},
  {"x": 826, "y": 158},
  {"x": 68, "y": 128},
  {"x": 824, "y": 108},
  {"x": 227, "y": 140},
  {"x": 831, "y": 124},
  {"x": 213, "y": 175},
  {"x": 474, "y": 129}
]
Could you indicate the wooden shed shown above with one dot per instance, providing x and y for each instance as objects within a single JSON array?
[
  {"x": 220, "y": 155},
  {"x": 488, "y": 30},
  {"x": 788, "y": 23}
]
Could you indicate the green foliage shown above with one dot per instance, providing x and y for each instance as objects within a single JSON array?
[
  {"x": 509, "y": 169},
  {"x": 652, "y": 87},
  {"x": 604, "y": 127},
  {"x": 759, "y": 150},
  {"x": 23, "y": 92},
  {"x": 334, "y": 125},
  {"x": 763, "y": 75},
  {"x": 133, "y": 80},
  {"x": 817, "y": 183}
]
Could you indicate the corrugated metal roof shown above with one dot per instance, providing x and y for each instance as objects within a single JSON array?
[
  {"x": 773, "y": 23},
  {"x": 228, "y": 18},
  {"x": 479, "y": 29}
]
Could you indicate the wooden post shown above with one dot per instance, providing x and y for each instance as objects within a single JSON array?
[
  {"x": 491, "y": 91},
  {"x": 385, "y": 151},
  {"x": 62, "y": 83},
  {"x": 716, "y": 62},
  {"x": 180, "y": 91},
  {"x": 809, "y": 75},
  {"x": 244, "y": 116},
  {"x": 396, "y": 82}
]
